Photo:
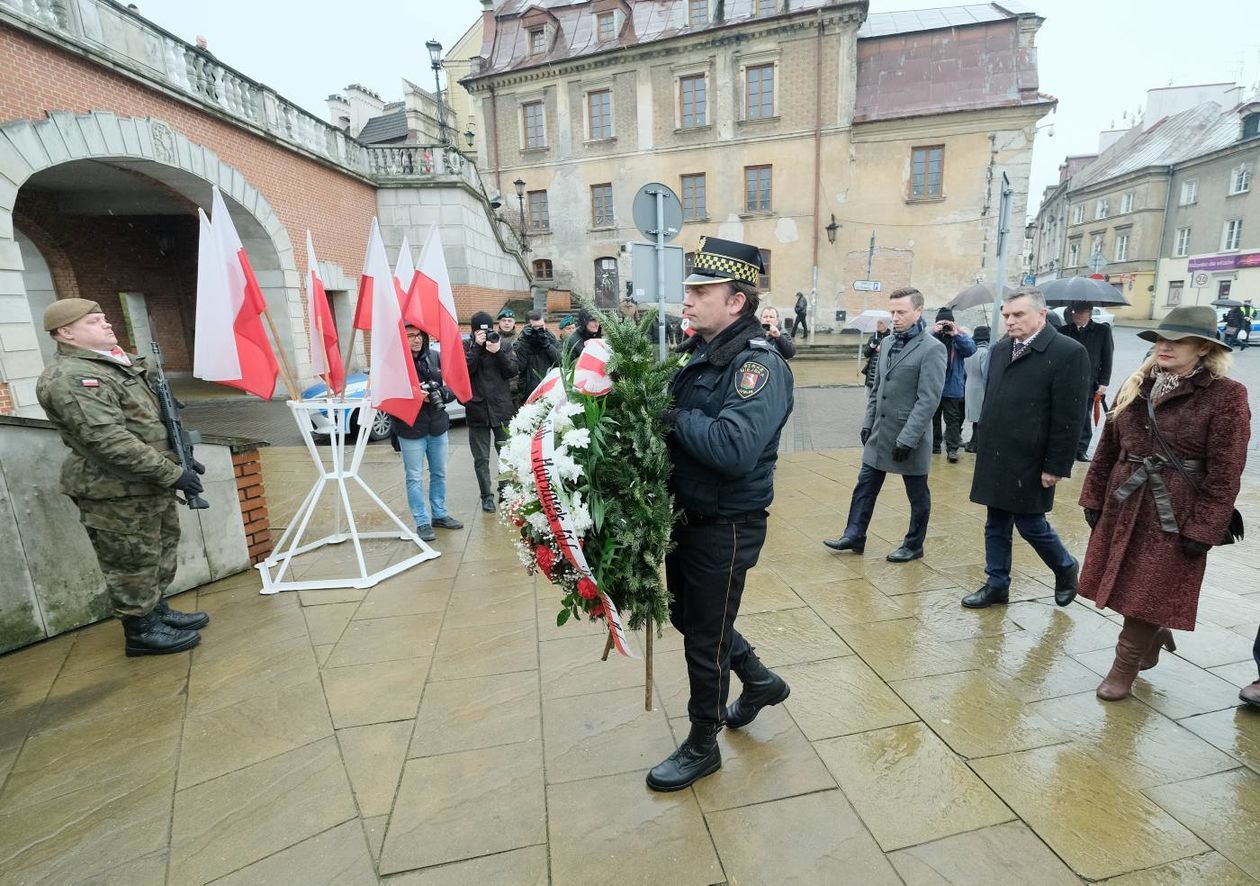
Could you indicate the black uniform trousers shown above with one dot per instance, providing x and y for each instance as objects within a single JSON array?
[
  {"x": 705, "y": 574},
  {"x": 862, "y": 506}
]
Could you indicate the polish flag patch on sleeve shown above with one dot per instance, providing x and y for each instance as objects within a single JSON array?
[{"x": 90, "y": 382}]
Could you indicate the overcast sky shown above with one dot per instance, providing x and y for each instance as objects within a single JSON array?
[{"x": 1098, "y": 57}]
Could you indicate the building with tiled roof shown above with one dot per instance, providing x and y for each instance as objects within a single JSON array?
[{"x": 770, "y": 119}]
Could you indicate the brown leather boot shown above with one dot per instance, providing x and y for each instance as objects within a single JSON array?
[
  {"x": 1163, "y": 639},
  {"x": 1135, "y": 640}
]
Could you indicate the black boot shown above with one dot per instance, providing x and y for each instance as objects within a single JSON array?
[
  {"x": 1065, "y": 582},
  {"x": 149, "y": 635},
  {"x": 185, "y": 621},
  {"x": 695, "y": 758},
  {"x": 762, "y": 687}
]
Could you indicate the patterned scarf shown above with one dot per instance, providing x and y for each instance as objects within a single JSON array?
[
  {"x": 1167, "y": 382},
  {"x": 901, "y": 339}
]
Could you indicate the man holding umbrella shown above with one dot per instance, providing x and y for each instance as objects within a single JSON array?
[{"x": 1098, "y": 343}]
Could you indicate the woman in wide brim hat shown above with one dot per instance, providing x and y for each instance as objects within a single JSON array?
[{"x": 1152, "y": 521}]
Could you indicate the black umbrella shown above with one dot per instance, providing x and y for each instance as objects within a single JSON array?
[
  {"x": 1226, "y": 303},
  {"x": 973, "y": 297},
  {"x": 1082, "y": 290}
]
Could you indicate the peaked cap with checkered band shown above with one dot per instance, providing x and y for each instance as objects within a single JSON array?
[{"x": 720, "y": 261}]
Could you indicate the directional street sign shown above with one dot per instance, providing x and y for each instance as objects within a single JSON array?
[{"x": 866, "y": 285}]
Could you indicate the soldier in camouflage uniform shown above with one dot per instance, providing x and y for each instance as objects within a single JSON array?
[{"x": 120, "y": 473}]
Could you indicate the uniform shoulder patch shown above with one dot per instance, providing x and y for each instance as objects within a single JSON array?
[
  {"x": 751, "y": 378},
  {"x": 90, "y": 382}
]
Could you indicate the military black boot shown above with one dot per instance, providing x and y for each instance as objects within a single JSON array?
[
  {"x": 762, "y": 687},
  {"x": 695, "y": 758},
  {"x": 185, "y": 621},
  {"x": 149, "y": 635}
]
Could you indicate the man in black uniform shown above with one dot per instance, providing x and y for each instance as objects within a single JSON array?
[
  {"x": 731, "y": 399},
  {"x": 1098, "y": 343}
]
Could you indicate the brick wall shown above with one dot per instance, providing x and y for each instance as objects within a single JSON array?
[
  {"x": 471, "y": 299},
  {"x": 6, "y": 399},
  {"x": 304, "y": 193},
  {"x": 253, "y": 499}
]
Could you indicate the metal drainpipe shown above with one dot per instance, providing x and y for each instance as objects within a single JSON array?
[
  {"x": 494, "y": 117},
  {"x": 813, "y": 295},
  {"x": 1163, "y": 231}
]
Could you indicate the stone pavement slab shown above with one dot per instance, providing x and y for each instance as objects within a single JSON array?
[{"x": 441, "y": 728}]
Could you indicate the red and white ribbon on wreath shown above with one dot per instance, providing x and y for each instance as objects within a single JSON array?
[
  {"x": 590, "y": 372},
  {"x": 550, "y": 388},
  {"x": 547, "y": 479}
]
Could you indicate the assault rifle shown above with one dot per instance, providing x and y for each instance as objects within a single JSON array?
[{"x": 181, "y": 441}]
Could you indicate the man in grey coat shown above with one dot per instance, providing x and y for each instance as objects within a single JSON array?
[{"x": 896, "y": 432}]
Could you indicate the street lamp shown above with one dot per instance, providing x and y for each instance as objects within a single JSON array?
[
  {"x": 435, "y": 60},
  {"x": 520, "y": 202},
  {"x": 470, "y": 136},
  {"x": 831, "y": 230}
]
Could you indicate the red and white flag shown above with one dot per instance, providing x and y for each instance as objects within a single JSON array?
[
  {"x": 438, "y": 305},
  {"x": 230, "y": 343},
  {"x": 590, "y": 371},
  {"x": 321, "y": 330},
  {"x": 550, "y": 388},
  {"x": 391, "y": 371},
  {"x": 408, "y": 283}
]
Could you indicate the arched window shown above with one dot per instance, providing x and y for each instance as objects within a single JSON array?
[
  {"x": 606, "y": 282},
  {"x": 543, "y": 269}
]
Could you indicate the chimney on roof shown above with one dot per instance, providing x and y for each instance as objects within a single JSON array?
[{"x": 487, "y": 28}]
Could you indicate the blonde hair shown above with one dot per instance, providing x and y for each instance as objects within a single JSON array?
[{"x": 1216, "y": 362}]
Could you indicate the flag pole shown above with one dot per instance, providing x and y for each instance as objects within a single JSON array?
[{"x": 286, "y": 371}]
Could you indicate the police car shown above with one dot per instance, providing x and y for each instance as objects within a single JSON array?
[{"x": 356, "y": 387}]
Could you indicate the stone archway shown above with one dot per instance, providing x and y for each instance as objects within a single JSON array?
[{"x": 151, "y": 148}]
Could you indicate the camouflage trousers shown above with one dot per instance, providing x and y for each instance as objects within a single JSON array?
[{"x": 135, "y": 540}]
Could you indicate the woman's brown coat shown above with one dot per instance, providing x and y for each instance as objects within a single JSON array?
[{"x": 1133, "y": 566}]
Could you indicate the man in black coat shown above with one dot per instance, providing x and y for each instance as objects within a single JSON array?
[
  {"x": 491, "y": 368},
  {"x": 587, "y": 328},
  {"x": 537, "y": 351},
  {"x": 1097, "y": 341},
  {"x": 1034, "y": 404}
]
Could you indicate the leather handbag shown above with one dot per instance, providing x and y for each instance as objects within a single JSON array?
[{"x": 1234, "y": 532}]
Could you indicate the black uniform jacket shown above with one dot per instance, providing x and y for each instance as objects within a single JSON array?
[
  {"x": 734, "y": 395},
  {"x": 1097, "y": 341}
]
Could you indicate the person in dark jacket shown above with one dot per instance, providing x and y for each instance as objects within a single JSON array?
[
  {"x": 1097, "y": 340},
  {"x": 491, "y": 368},
  {"x": 870, "y": 351},
  {"x": 770, "y": 326},
  {"x": 1234, "y": 321},
  {"x": 1034, "y": 403},
  {"x": 587, "y": 329},
  {"x": 537, "y": 351},
  {"x": 950, "y": 413},
  {"x": 732, "y": 398},
  {"x": 424, "y": 440},
  {"x": 800, "y": 327}
]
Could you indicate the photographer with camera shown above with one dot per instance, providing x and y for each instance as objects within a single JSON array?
[
  {"x": 770, "y": 326},
  {"x": 426, "y": 440},
  {"x": 537, "y": 351},
  {"x": 491, "y": 368},
  {"x": 958, "y": 347}
]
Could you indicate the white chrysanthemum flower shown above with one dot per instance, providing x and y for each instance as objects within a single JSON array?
[
  {"x": 538, "y": 521},
  {"x": 577, "y": 438},
  {"x": 567, "y": 468},
  {"x": 528, "y": 418},
  {"x": 581, "y": 518}
]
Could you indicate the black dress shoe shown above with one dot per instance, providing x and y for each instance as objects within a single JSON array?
[
  {"x": 184, "y": 621},
  {"x": 1083, "y": 457},
  {"x": 904, "y": 554},
  {"x": 149, "y": 635},
  {"x": 846, "y": 543},
  {"x": 762, "y": 688},
  {"x": 447, "y": 522},
  {"x": 695, "y": 758},
  {"x": 952, "y": 455},
  {"x": 986, "y": 597},
  {"x": 1065, "y": 581}
]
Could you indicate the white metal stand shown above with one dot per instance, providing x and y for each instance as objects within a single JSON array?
[{"x": 275, "y": 567}]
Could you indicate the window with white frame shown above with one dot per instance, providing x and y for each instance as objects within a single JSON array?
[
  {"x": 1078, "y": 213},
  {"x": 601, "y": 206},
  {"x": 1189, "y": 192},
  {"x": 1122, "y": 246},
  {"x": 599, "y": 114},
  {"x": 697, "y": 13},
  {"x": 1096, "y": 245},
  {"x": 537, "y": 41},
  {"x": 1101, "y": 208},
  {"x": 1126, "y": 202},
  {"x": 539, "y": 211},
  {"x": 692, "y": 101},
  {"x": 1175, "y": 288},
  {"x": 1240, "y": 179},
  {"x": 1231, "y": 234},
  {"x": 1074, "y": 254},
  {"x": 606, "y": 26},
  {"x": 1182, "y": 245},
  {"x": 766, "y": 7},
  {"x": 532, "y": 122}
]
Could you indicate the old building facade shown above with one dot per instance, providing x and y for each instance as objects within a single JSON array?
[{"x": 770, "y": 121}]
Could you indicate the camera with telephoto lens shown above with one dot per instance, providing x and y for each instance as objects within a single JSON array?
[
  {"x": 433, "y": 392},
  {"x": 492, "y": 336}
]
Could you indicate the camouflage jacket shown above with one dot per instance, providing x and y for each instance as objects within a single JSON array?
[{"x": 109, "y": 418}]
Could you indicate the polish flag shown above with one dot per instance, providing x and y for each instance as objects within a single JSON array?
[
  {"x": 391, "y": 371},
  {"x": 590, "y": 372},
  {"x": 322, "y": 331},
  {"x": 438, "y": 304},
  {"x": 550, "y": 389},
  {"x": 230, "y": 344},
  {"x": 408, "y": 281}
]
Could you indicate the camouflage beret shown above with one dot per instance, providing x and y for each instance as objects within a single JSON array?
[{"x": 65, "y": 311}]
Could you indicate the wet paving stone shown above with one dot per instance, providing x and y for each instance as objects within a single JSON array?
[
  {"x": 1236, "y": 731},
  {"x": 518, "y": 867},
  {"x": 841, "y": 696},
  {"x": 1004, "y": 853},
  {"x": 1222, "y": 809},
  {"x": 1211, "y": 867}
]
